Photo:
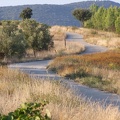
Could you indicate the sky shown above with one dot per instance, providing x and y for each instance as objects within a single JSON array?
[{"x": 27, "y": 2}]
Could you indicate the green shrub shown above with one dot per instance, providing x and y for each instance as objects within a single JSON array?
[
  {"x": 117, "y": 25},
  {"x": 28, "y": 111}
]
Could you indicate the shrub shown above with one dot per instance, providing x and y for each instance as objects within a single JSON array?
[{"x": 28, "y": 111}]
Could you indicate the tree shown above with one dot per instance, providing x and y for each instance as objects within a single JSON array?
[
  {"x": 94, "y": 8},
  {"x": 12, "y": 42},
  {"x": 117, "y": 25},
  {"x": 26, "y": 13},
  {"x": 37, "y": 35},
  {"x": 99, "y": 18},
  {"x": 110, "y": 19},
  {"x": 82, "y": 15}
]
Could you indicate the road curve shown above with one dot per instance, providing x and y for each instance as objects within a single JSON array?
[
  {"x": 38, "y": 69},
  {"x": 89, "y": 48}
]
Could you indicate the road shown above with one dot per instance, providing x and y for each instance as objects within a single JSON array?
[{"x": 38, "y": 69}]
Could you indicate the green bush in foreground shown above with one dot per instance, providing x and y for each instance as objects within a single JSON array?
[{"x": 28, "y": 111}]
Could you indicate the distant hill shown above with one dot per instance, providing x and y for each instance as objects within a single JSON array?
[{"x": 52, "y": 14}]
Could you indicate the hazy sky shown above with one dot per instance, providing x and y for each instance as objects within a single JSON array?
[{"x": 26, "y": 2}]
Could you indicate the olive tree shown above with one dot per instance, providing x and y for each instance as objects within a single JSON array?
[
  {"x": 37, "y": 35},
  {"x": 12, "y": 42}
]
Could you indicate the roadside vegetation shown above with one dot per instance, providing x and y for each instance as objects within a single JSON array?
[
  {"x": 100, "y": 70},
  {"x": 17, "y": 88},
  {"x": 29, "y": 40}
]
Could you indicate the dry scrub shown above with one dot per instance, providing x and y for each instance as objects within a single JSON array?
[
  {"x": 17, "y": 88},
  {"x": 101, "y": 70}
]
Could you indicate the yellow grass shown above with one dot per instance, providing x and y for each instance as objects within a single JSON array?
[{"x": 17, "y": 88}]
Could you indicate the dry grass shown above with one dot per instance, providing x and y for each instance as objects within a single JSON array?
[
  {"x": 59, "y": 50},
  {"x": 101, "y": 70},
  {"x": 108, "y": 39},
  {"x": 17, "y": 88},
  {"x": 58, "y": 33}
]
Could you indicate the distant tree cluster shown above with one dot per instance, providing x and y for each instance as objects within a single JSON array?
[{"x": 104, "y": 18}]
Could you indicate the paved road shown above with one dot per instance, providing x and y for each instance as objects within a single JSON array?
[
  {"x": 90, "y": 48},
  {"x": 38, "y": 69}
]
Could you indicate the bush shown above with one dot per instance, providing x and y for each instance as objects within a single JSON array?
[
  {"x": 28, "y": 111},
  {"x": 117, "y": 25}
]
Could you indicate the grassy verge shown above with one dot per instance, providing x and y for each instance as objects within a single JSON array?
[
  {"x": 101, "y": 70},
  {"x": 17, "y": 88}
]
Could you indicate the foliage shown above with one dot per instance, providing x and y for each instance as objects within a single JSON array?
[
  {"x": 82, "y": 15},
  {"x": 28, "y": 111},
  {"x": 26, "y": 13},
  {"x": 12, "y": 42},
  {"x": 37, "y": 35},
  {"x": 117, "y": 25},
  {"x": 104, "y": 18}
]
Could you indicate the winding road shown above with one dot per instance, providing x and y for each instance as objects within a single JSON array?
[{"x": 37, "y": 69}]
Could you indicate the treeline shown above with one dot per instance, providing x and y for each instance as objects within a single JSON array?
[{"x": 104, "y": 18}]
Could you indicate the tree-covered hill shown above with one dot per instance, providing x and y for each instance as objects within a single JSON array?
[{"x": 52, "y": 14}]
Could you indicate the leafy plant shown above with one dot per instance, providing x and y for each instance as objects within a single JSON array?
[{"x": 28, "y": 111}]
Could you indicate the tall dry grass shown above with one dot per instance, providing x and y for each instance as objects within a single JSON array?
[
  {"x": 101, "y": 70},
  {"x": 17, "y": 88}
]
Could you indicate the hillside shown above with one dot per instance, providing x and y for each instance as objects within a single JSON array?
[{"x": 52, "y": 14}]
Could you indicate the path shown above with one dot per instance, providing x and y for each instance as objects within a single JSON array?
[{"x": 38, "y": 69}]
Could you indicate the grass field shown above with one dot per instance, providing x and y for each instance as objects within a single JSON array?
[
  {"x": 101, "y": 70},
  {"x": 17, "y": 88}
]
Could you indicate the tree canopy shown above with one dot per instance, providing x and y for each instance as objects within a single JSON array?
[
  {"x": 37, "y": 35},
  {"x": 105, "y": 19},
  {"x": 82, "y": 15},
  {"x": 26, "y": 13},
  {"x": 12, "y": 42}
]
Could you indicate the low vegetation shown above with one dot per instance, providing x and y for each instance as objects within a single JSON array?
[
  {"x": 99, "y": 70},
  {"x": 17, "y": 88}
]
